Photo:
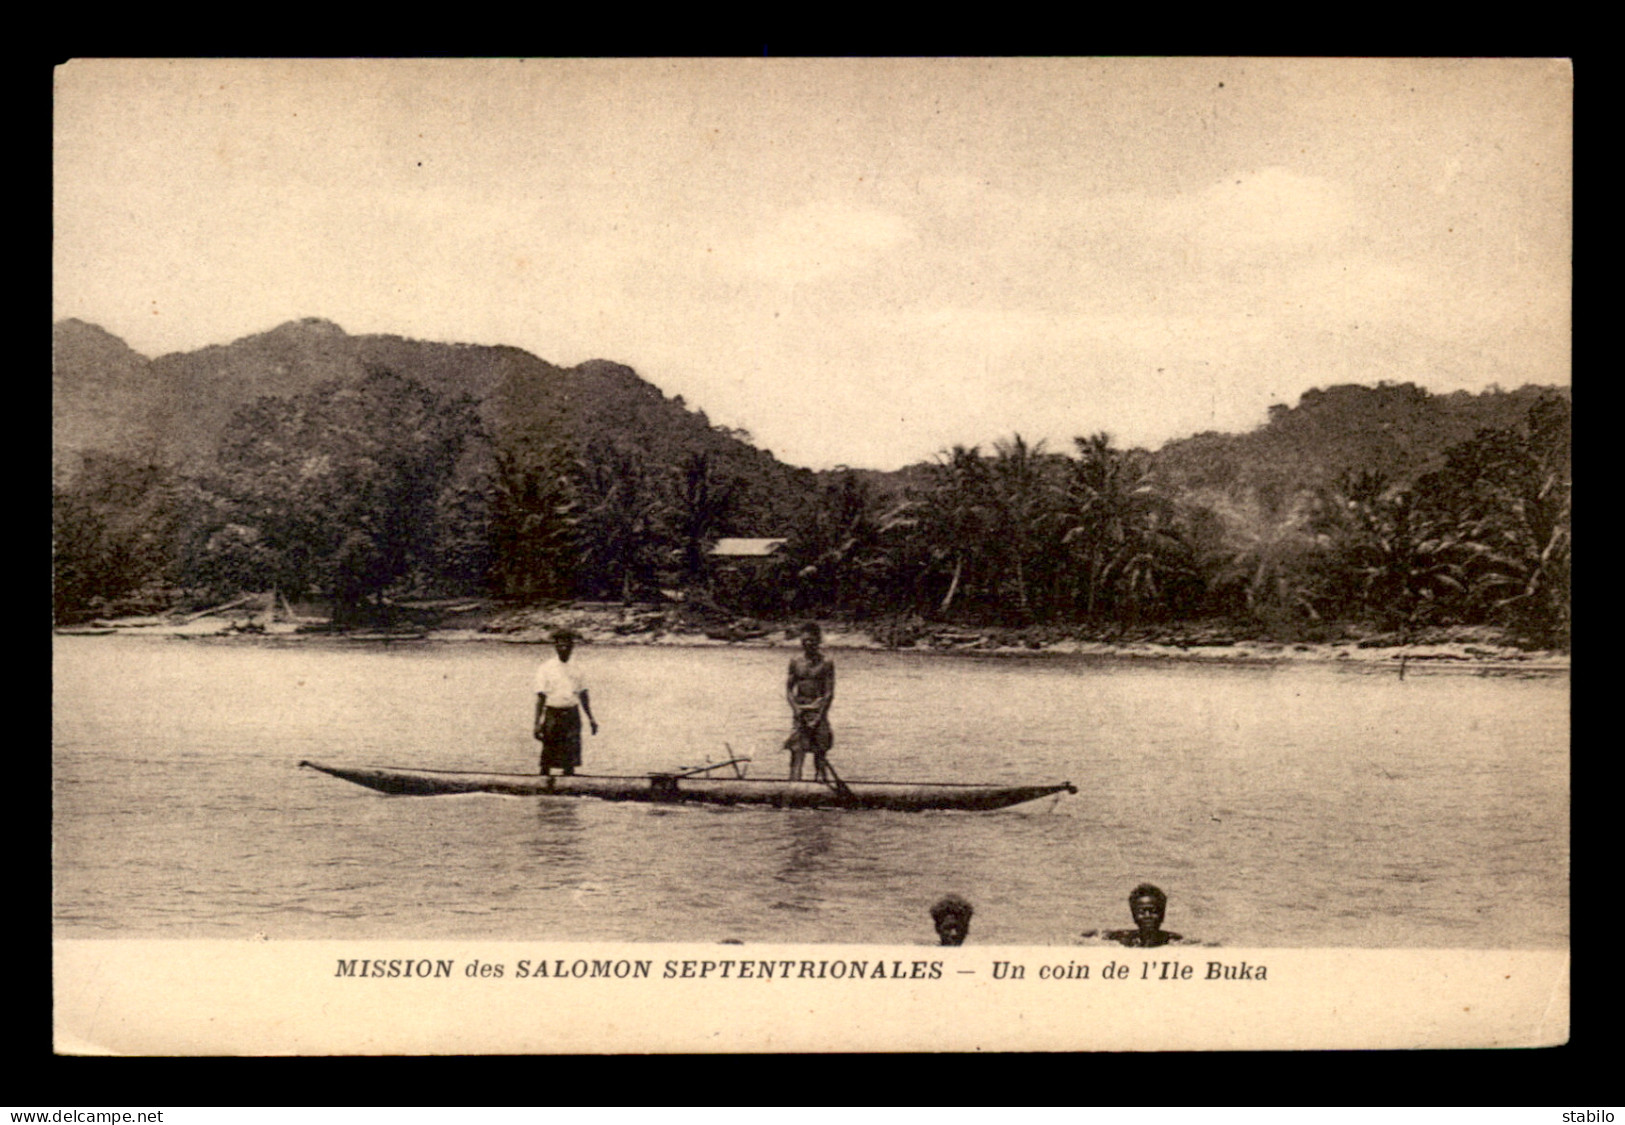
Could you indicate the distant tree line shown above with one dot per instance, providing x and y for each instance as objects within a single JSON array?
[{"x": 380, "y": 488}]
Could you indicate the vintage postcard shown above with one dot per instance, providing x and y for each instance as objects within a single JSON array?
[{"x": 760, "y": 555}]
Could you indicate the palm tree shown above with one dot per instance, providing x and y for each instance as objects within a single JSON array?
[
  {"x": 1266, "y": 552},
  {"x": 957, "y": 514},
  {"x": 842, "y": 555},
  {"x": 1021, "y": 508},
  {"x": 1508, "y": 493},
  {"x": 623, "y": 522},
  {"x": 1388, "y": 555},
  {"x": 701, "y": 510},
  {"x": 1121, "y": 528},
  {"x": 533, "y": 518}
]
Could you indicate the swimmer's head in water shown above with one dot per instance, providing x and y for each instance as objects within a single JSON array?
[
  {"x": 1148, "y": 905},
  {"x": 952, "y": 917}
]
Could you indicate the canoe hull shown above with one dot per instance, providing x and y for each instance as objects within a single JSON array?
[{"x": 664, "y": 789}]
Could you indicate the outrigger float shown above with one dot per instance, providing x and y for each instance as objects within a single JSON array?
[{"x": 692, "y": 785}]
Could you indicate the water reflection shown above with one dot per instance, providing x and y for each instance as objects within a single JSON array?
[
  {"x": 557, "y": 840},
  {"x": 805, "y": 848}
]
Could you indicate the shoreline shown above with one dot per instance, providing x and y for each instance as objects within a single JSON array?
[{"x": 1480, "y": 651}]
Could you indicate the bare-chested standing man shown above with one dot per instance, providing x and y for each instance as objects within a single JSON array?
[{"x": 810, "y": 690}]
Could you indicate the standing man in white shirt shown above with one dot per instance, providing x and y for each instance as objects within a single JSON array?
[{"x": 561, "y": 698}]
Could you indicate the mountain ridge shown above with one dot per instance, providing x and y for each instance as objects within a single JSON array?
[{"x": 174, "y": 409}]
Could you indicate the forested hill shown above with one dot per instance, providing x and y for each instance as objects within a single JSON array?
[
  {"x": 1397, "y": 430},
  {"x": 174, "y": 410},
  {"x": 103, "y": 398}
]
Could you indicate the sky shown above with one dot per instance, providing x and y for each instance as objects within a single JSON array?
[{"x": 861, "y": 262}]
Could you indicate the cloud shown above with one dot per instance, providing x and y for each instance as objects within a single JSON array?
[
  {"x": 1269, "y": 209},
  {"x": 1002, "y": 335},
  {"x": 817, "y": 240}
]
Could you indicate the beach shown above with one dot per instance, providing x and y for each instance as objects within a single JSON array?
[{"x": 1479, "y": 648}]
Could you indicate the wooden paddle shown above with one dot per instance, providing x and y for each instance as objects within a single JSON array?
[{"x": 840, "y": 786}]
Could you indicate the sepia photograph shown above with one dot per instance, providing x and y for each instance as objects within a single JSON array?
[{"x": 585, "y": 540}]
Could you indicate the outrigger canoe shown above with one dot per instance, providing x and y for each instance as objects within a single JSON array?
[{"x": 907, "y": 796}]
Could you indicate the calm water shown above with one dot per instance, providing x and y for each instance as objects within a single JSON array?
[{"x": 1284, "y": 806}]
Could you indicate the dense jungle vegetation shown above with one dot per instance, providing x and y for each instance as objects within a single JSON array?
[{"x": 1379, "y": 507}]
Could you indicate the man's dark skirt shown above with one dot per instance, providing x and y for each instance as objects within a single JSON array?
[{"x": 561, "y": 738}]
